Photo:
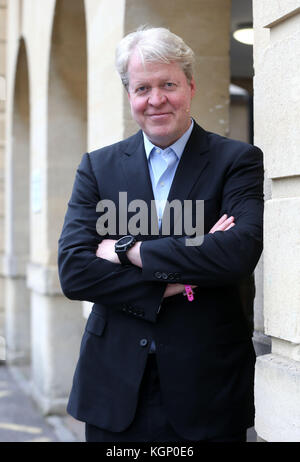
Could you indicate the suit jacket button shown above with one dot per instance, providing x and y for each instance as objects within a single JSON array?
[
  {"x": 143, "y": 342},
  {"x": 157, "y": 274}
]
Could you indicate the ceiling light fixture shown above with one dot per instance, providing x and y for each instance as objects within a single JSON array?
[{"x": 244, "y": 33}]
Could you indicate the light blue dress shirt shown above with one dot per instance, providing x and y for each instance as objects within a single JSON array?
[{"x": 162, "y": 167}]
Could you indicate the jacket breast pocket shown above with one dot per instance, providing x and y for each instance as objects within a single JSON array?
[{"x": 95, "y": 324}]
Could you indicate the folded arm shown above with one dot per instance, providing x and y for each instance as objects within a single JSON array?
[
  {"x": 84, "y": 276},
  {"x": 106, "y": 250},
  {"x": 223, "y": 257}
]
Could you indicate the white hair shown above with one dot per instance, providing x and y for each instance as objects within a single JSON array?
[{"x": 154, "y": 44}]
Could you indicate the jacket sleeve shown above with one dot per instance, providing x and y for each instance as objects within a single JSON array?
[
  {"x": 223, "y": 257},
  {"x": 84, "y": 276}
]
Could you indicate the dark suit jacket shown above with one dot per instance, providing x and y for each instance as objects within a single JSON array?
[{"x": 204, "y": 349}]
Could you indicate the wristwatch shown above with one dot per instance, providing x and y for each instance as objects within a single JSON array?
[{"x": 122, "y": 246}]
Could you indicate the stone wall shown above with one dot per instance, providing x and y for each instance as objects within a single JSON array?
[
  {"x": 3, "y": 14},
  {"x": 277, "y": 132}
]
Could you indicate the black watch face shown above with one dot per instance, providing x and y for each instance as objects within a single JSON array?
[{"x": 124, "y": 241}]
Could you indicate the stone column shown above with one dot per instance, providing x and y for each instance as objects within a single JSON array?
[
  {"x": 17, "y": 299},
  {"x": 2, "y": 165},
  {"x": 58, "y": 141},
  {"x": 277, "y": 132}
]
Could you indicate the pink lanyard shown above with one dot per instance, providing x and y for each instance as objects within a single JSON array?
[{"x": 189, "y": 292}]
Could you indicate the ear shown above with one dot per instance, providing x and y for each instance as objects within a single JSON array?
[
  {"x": 193, "y": 87},
  {"x": 128, "y": 95}
]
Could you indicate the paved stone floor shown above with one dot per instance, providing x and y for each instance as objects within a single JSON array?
[{"x": 21, "y": 420}]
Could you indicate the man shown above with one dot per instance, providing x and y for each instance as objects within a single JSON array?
[{"x": 153, "y": 365}]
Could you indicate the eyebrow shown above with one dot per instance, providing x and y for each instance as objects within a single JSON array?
[{"x": 145, "y": 82}]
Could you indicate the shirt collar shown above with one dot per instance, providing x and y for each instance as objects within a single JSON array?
[{"x": 177, "y": 147}]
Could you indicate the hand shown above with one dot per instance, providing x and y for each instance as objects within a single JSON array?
[
  {"x": 175, "y": 289},
  {"x": 224, "y": 224},
  {"x": 106, "y": 250}
]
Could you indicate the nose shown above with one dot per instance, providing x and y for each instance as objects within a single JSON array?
[{"x": 157, "y": 97}]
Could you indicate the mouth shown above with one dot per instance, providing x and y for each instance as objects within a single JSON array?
[{"x": 160, "y": 115}]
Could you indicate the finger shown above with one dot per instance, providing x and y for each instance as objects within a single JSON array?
[
  {"x": 223, "y": 225},
  {"x": 219, "y": 222},
  {"x": 230, "y": 226},
  {"x": 226, "y": 223}
]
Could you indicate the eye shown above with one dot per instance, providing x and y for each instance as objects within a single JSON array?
[
  {"x": 141, "y": 89},
  {"x": 170, "y": 85}
]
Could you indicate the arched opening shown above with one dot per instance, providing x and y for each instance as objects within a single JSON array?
[
  {"x": 17, "y": 305},
  {"x": 67, "y": 113},
  {"x": 58, "y": 324}
]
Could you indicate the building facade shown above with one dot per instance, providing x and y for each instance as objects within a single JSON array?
[{"x": 61, "y": 96}]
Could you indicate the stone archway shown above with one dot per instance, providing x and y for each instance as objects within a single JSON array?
[
  {"x": 57, "y": 324},
  {"x": 17, "y": 299},
  {"x": 67, "y": 112}
]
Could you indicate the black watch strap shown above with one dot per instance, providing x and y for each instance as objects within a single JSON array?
[
  {"x": 123, "y": 258},
  {"x": 122, "y": 246}
]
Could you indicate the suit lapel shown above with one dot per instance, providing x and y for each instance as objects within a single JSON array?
[
  {"x": 136, "y": 169},
  {"x": 192, "y": 163},
  {"x": 139, "y": 186},
  {"x": 191, "y": 166}
]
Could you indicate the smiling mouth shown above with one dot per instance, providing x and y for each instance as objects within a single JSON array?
[{"x": 162, "y": 114}]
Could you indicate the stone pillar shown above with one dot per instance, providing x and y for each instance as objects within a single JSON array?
[
  {"x": 277, "y": 115},
  {"x": 2, "y": 165},
  {"x": 17, "y": 300},
  {"x": 46, "y": 137},
  {"x": 56, "y": 322}
]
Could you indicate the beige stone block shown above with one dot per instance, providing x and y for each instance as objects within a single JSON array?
[
  {"x": 286, "y": 187},
  {"x": 202, "y": 23},
  {"x": 2, "y": 164},
  {"x": 282, "y": 269},
  {"x": 269, "y": 12},
  {"x": 277, "y": 100},
  {"x": 2, "y": 127},
  {"x": 3, "y": 46},
  {"x": 287, "y": 349},
  {"x": 105, "y": 28},
  {"x": 2, "y": 88},
  {"x": 2, "y": 24},
  {"x": 57, "y": 328},
  {"x": 43, "y": 279},
  {"x": 17, "y": 320},
  {"x": 277, "y": 398},
  {"x": 259, "y": 297},
  {"x": 261, "y": 39}
]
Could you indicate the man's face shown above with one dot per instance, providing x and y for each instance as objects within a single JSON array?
[{"x": 160, "y": 99}]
